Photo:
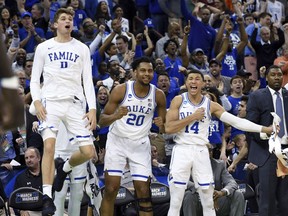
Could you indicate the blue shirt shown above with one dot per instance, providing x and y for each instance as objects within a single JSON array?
[
  {"x": 249, "y": 30},
  {"x": 96, "y": 60},
  {"x": 173, "y": 81},
  {"x": 78, "y": 18},
  {"x": 32, "y": 43},
  {"x": 216, "y": 130},
  {"x": 201, "y": 35},
  {"x": 229, "y": 66},
  {"x": 172, "y": 67},
  {"x": 235, "y": 102}
]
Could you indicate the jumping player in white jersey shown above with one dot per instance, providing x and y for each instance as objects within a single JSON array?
[
  {"x": 75, "y": 180},
  {"x": 189, "y": 117},
  {"x": 65, "y": 65},
  {"x": 129, "y": 112}
]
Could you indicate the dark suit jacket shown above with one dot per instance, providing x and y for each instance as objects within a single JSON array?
[{"x": 259, "y": 108}]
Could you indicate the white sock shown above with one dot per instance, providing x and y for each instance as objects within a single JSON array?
[
  {"x": 67, "y": 167},
  {"x": 47, "y": 189}
]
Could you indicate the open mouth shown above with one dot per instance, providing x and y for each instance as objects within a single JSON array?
[{"x": 67, "y": 26}]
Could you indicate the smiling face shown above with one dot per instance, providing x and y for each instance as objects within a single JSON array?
[
  {"x": 21, "y": 56},
  {"x": 5, "y": 14},
  {"x": 194, "y": 83},
  {"x": 122, "y": 46},
  {"x": 119, "y": 12},
  {"x": 102, "y": 95},
  {"x": 215, "y": 69},
  {"x": 144, "y": 73}
]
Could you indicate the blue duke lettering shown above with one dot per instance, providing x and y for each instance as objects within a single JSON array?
[
  {"x": 67, "y": 56},
  {"x": 139, "y": 109}
]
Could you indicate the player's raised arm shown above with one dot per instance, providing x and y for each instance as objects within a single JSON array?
[
  {"x": 112, "y": 110},
  {"x": 239, "y": 123}
]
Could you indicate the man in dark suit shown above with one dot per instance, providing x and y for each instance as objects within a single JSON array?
[
  {"x": 261, "y": 103},
  {"x": 227, "y": 199}
]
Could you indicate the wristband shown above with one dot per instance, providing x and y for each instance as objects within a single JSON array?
[{"x": 10, "y": 83}]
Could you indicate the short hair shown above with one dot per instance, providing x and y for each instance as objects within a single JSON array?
[
  {"x": 236, "y": 77},
  {"x": 193, "y": 71},
  {"x": 237, "y": 138},
  {"x": 216, "y": 93},
  {"x": 35, "y": 149},
  {"x": 164, "y": 73},
  {"x": 263, "y": 15},
  {"x": 123, "y": 37},
  {"x": 40, "y": 7},
  {"x": 167, "y": 43},
  {"x": 135, "y": 64},
  {"x": 264, "y": 28},
  {"x": 116, "y": 7},
  {"x": 249, "y": 15},
  {"x": 272, "y": 67},
  {"x": 205, "y": 7},
  {"x": 61, "y": 11},
  {"x": 109, "y": 46},
  {"x": 244, "y": 98}
]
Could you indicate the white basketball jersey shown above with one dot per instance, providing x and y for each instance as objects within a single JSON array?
[
  {"x": 137, "y": 123},
  {"x": 197, "y": 131}
]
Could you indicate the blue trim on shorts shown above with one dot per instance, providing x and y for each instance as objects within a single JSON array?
[
  {"x": 206, "y": 184},
  {"x": 177, "y": 182},
  {"x": 136, "y": 175},
  {"x": 77, "y": 178},
  {"x": 80, "y": 178},
  {"x": 87, "y": 136},
  {"x": 180, "y": 183},
  {"x": 117, "y": 171}
]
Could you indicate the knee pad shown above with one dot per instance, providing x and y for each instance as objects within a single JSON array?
[
  {"x": 144, "y": 200},
  {"x": 143, "y": 208}
]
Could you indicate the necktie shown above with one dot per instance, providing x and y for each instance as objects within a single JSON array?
[{"x": 279, "y": 112}]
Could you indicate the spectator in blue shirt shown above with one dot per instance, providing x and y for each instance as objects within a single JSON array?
[
  {"x": 202, "y": 35},
  {"x": 30, "y": 36}
]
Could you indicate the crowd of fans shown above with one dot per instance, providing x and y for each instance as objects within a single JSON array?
[{"x": 232, "y": 42}]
